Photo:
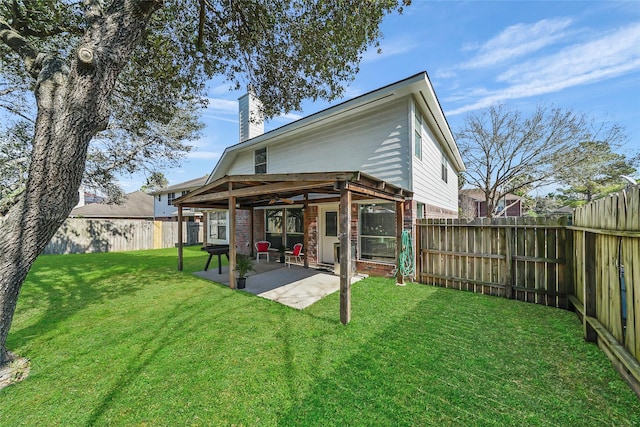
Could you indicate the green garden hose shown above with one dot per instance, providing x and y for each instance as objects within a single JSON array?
[{"x": 406, "y": 262}]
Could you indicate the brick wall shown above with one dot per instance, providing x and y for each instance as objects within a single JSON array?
[
  {"x": 311, "y": 225},
  {"x": 243, "y": 230}
]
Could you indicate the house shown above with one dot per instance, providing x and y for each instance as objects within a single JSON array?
[
  {"x": 388, "y": 154},
  {"x": 85, "y": 198},
  {"x": 138, "y": 205},
  {"x": 473, "y": 200},
  {"x": 163, "y": 208}
]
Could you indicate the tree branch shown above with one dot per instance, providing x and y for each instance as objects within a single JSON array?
[{"x": 31, "y": 58}]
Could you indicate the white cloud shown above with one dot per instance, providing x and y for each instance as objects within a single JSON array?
[
  {"x": 223, "y": 106},
  {"x": 516, "y": 41},
  {"x": 606, "y": 57},
  {"x": 610, "y": 56}
]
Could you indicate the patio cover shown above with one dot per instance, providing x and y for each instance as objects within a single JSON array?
[{"x": 233, "y": 192}]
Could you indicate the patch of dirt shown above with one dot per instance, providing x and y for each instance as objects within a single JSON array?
[{"x": 14, "y": 371}]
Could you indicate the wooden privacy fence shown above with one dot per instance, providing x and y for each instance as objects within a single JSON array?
[
  {"x": 607, "y": 278},
  {"x": 522, "y": 258},
  {"x": 81, "y": 235}
]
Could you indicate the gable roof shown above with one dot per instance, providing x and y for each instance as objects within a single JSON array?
[
  {"x": 419, "y": 85},
  {"x": 138, "y": 205},
  {"x": 182, "y": 186}
]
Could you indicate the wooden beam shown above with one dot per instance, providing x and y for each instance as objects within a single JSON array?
[
  {"x": 232, "y": 242},
  {"x": 623, "y": 361},
  {"x": 256, "y": 191},
  {"x": 180, "y": 264},
  {"x": 399, "y": 228},
  {"x": 372, "y": 192},
  {"x": 205, "y": 228},
  {"x": 345, "y": 253}
]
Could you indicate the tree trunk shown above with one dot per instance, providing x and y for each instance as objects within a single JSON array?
[{"x": 73, "y": 105}]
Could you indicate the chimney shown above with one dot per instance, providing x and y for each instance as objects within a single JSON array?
[{"x": 251, "y": 123}]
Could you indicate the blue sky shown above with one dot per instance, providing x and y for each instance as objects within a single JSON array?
[{"x": 580, "y": 55}]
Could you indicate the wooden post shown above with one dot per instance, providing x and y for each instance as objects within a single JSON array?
[
  {"x": 399, "y": 228},
  {"x": 305, "y": 237},
  {"x": 508, "y": 248},
  {"x": 418, "y": 254},
  {"x": 345, "y": 254},
  {"x": 205, "y": 228},
  {"x": 180, "y": 264},
  {"x": 232, "y": 240},
  {"x": 252, "y": 245},
  {"x": 590, "y": 286}
]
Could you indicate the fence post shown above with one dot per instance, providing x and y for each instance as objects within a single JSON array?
[
  {"x": 590, "y": 284},
  {"x": 508, "y": 239}
]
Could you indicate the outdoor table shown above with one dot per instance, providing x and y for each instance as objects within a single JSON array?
[{"x": 216, "y": 250}]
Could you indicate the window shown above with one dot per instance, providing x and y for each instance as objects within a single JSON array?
[
  {"x": 417, "y": 143},
  {"x": 331, "y": 224},
  {"x": 295, "y": 226},
  {"x": 218, "y": 226},
  {"x": 170, "y": 198},
  {"x": 378, "y": 232},
  {"x": 445, "y": 168},
  {"x": 185, "y": 192},
  {"x": 260, "y": 157},
  {"x": 159, "y": 197},
  {"x": 420, "y": 210},
  {"x": 291, "y": 233},
  {"x": 273, "y": 220}
]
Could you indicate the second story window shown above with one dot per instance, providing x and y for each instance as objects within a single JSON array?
[
  {"x": 260, "y": 157},
  {"x": 417, "y": 147},
  {"x": 170, "y": 198},
  {"x": 445, "y": 168}
]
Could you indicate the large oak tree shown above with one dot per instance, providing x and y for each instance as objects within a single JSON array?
[{"x": 123, "y": 77}]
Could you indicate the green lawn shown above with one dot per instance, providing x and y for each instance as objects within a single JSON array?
[{"x": 125, "y": 339}]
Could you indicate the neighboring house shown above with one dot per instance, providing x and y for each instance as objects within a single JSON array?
[
  {"x": 475, "y": 198},
  {"x": 85, "y": 198},
  {"x": 163, "y": 209},
  {"x": 391, "y": 147},
  {"x": 138, "y": 205}
]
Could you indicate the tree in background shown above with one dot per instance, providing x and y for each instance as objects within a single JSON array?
[
  {"x": 506, "y": 152},
  {"x": 156, "y": 181},
  {"x": 121, "y": 77},
  {"x": 597, "y": 175}
]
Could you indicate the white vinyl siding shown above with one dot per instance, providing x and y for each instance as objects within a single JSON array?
[
  {"x": 428, "y": 184},
  {"x": 375, "y": 142}
]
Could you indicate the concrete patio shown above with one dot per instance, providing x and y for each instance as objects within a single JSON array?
[{"x": 293, "y": 286}]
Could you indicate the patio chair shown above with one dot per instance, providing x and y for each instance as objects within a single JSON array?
[
  {"x": 262, "y": 248},
  {"x": 296, "y": 253}
]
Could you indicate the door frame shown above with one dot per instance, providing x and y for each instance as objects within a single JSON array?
[{"x": 322, "y": 210}]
